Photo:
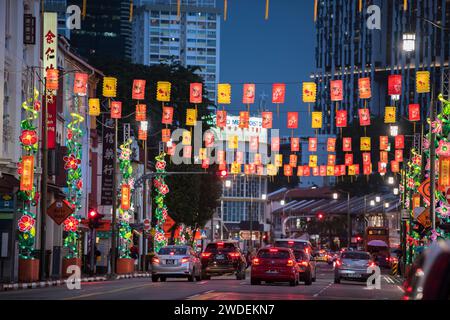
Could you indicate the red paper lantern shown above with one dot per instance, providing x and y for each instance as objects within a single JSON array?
[
  {"x": 337, "y": 171},
  {"x": 348, "y": 159},
  {"x": 347, "y": 144},
  {"x": 341, "y": 118},
  {"x": 165, "y": 135},
  {"x": 300, "y": 171},
  {"x": 306, "y": 171},
  {"x": 138, "y": 92},
  {"x": 381, "y": 167},
  {"x": 288, "y": 170},
  {"x": 222, "y": 166},
  {"x": 366, "y": 158},
  {"x": 364, "y": 117},
  {"x": 267, "y": 119},
  {"x": 292, "y": 120},
  {"x": 167, "y": 116},
  {"x": 141, "y": 112},
  {"x": 384, "y": 156},
  {"x": 221, "y": 119},
  {"x": 395, "y": 85},
  {"x": 278, "y": 93},
  {"x": 244, "y": 119},
  {"x": 323, "y": 171},
  {"x": 400, "y": 142},
  {"x": 331, "y": 145},
  {"x": 414, "y": 112},
  {"x": 293, "y": 160},
  {"x": 384, "y": 143},
  {"x": 295, "y": 144},
  {"x": 399, "y": 155},
  {"x": 336, "y": 90},
  {"x": 342, "y": 169},
  {"x": 52, "y": 79},
  {"x": 312, "y": 145},
  {"x": 142, "y": 135},
  {"x": 126, "y": 195},
  {"x": 80, "y": 84},
  {"x": 367, "y": 169},
  {"x": 395, "y": 166},
  {"x": 275, "y": 145},
  {"x": 196, "y": 93},
  {"x": 248, "y": 96},
  {"x": 116, "y": 110},
  {"x": 316, "y": 171},
  {"x": 205, "y": 163},
  {"x": 364, "y": 88},
  {"x": 331, "y": 159}
]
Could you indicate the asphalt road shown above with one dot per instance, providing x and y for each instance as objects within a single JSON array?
[{"x": 219, "y": 288}]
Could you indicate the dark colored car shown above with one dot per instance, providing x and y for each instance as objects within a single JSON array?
[
  {"x": 275, "y": 265},
  {"x": 307, "y": 267},
  {"x": 220, "y": 258}
]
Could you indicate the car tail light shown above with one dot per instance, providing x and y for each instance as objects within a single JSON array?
[
  {"x": 290, "y": 243},
  {"x": 290, "y": 263},
  {"x": 155, "y": 260},
  {"x": 273, "y": 250},
  {"x": 185, "y": 259},
  {"x": 307, "y": 250},
  {"x": 172, "y": 253},
  {"x": 304, "y": 263},
  {"x": 234, "y": 255},
  {"x": 220, "y": 244},
  {"x": 338, "y": 263},
  {"x": 255, "y": 262},
  {"x": 206, "y": 254},
  {"x": 371, "y": 264}
]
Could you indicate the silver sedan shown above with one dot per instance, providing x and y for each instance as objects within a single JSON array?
[
  {"x": 176, "y": 262},
  {"x": 352, "y": 265}
]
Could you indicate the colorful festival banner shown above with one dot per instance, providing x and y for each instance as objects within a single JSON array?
[
  {"x": 364, "y": 88},
  {"x": 224, "y": 93},
  {"x": 423, "y": 81},
  {"x": 309, "y": 92},
  {"x": 195, "y": 93},
  {"x": 248, "y": 96},
  {"x": 336, "y": 90},
  {"x": 138, "y": 91},
  {"x": 163, "y": 89}
]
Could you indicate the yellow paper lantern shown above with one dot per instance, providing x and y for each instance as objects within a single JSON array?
[
  {"x": 423, "y": 81},
  {"x": 272, "y": 170},
  {"x": 309, "y": 92},
  {"x": 313, "y": 161},
  {"x": 186, "y": 138},
  {"x": 352, "y": 170},
  {"x": 278, "y": 160},
  {"x": 163, "y": 91},
  {"x": 330, "y": 171},
  {"x": 191, "y": 117},
  {"x": 235, "y": 168},
  {"x": 365, "y": 144},
  {"x": 317, "y": 120},
  {"x": 202, "y": 154},
  {"x": 390, "y": 115},
  {"x": 94, "y": 107},
  {"x": 224, "y": 93},
  {"x": 109, "y": 87},
  {"x": 233, "y": 142}
]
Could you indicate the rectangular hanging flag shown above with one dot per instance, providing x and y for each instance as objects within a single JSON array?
[
  {"x": 331, "y": 145},
  {"x": 248, "y": 96},
  {"x": 423, "y": 81},
  {"x": 390, "y": 115},
  {"x": 292, "y": 120},
  {"x": 138, "y": 91},
  {"x": 347, "y": 144},
  {"x": 163, "y": 89},
  {"x": 278, "y": 93},
  {"x": 316, "y": 120},
  {"x": 267, "y": 118},
  {"x": 364, "y": 117},
  {"x": 195, "y": 93},
  {"x": 364, "y": 88},
  {"x": 336, "y": 90},
  {"x": 341, "y": 118},
  {"x": 309, "y": 92},
  {"x": 365, "y": 144}
]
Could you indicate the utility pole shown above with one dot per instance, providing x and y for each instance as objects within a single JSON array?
[
  {"x": 251, "y": 216},
  {"x": 349, "y": 222},
  {"x": 144, "y": 209},
  {"x": 114, "y": 204}
]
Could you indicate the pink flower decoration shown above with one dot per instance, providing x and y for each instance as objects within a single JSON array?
[
  {"x": 434, "y": 235},
  {"x": 437, "y": 126},
  {"x": 443, "y": 210},
  {"x": 426, "y": 143},
  {"x": 443, "y": 149}
]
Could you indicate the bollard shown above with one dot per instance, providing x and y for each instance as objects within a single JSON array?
[{"x": 394, "y": 270}]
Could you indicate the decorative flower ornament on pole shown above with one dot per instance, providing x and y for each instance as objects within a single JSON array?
[{"x": 161, "y": 211}]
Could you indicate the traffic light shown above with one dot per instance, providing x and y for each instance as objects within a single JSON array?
[
  {"x": 222, "y": 173},
  {"x": 320, "y": 216},
  {"x": 94, "y": 219}
]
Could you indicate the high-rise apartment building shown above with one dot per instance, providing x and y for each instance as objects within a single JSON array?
[
  {"x": 349, "y": 46},
  {"x": 160, "y": 36}
]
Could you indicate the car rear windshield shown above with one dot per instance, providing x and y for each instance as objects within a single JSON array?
[
  {"x": 279, "y": 254},
  {"x": 176, "y": 251},
  {"x": 293, "y": 244},
  {"x": 300, "y": 255},
  {"x": 355, "y": 256},
  {"x": 226, "y": 247}
]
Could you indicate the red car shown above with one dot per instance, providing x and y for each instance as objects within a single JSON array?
[{"x": 275, "y": 265}]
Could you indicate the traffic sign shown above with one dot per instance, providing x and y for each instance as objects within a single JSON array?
[
  {"x": 424, "y": 189},
  {"x": 59, "y": 211}
]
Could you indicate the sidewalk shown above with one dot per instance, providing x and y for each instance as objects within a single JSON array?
[{"x": 51, "y": 283}]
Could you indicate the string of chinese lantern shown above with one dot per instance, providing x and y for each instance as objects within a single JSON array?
[
  {"x": 27, "y": 193},
  {"x": 83, "y": 10},
  {"x": 405, "y": 5},
  {"x": 225, "y": 10},
  {"x": 360, "y": 5},
  {"x": 267, "y": 10},
  {"x": 315, "y": 10},
  {"x": 74, "y": 179},
  {"x": 126, "y": 208},
  {"x": 161, "y": 211},
  {"x": 130, "y": 19}
]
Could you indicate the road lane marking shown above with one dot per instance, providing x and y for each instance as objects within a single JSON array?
[
  {"x": 106, "y": 292},
  {"x": 202, "y": 282},
  {"x": 401, "y": 289},
  {"x": 323, "y": 289},
  {"x": 388, "y": 279},
  {"x": 199, "y": 294}
]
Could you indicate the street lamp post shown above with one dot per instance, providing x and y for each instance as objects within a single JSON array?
[{"x": 349, "y": 222}]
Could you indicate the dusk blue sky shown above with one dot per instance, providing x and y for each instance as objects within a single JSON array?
[{"x": 260, "y": 51}]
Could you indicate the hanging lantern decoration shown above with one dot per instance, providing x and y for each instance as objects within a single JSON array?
[
  {"x": 259, "y": 170},
  {"x": 348, "y": 159},
  {"x": 224, "y": 93},
  {"x": 196, "y": 93},
  {"x": 288, "y": 172},
  {"x": 109, "y": 87},
  {"x": 292, "y": 120},
  {"x": 221, "y": 119},
  {"x": 313, "y": 161},
  {"x": 205, "y": 163},
  {"x": 163, "y": 89},
  {"x": 331, "y": 159},
  {"x": 312, "y": 144},
  {"x": 395, "y": 85},
  {"x": 423, "y": 81},
  {"x": 142, "y": 135},
  {"x": 267, "y": 119},
  {"x": 293, "y": 160},
  {"x": 341, "y": 118},
  {"x": 365, "y": 144},
  {"x": 275, "y": 144},
  {"x": 382, "y": 167},
  {"x": 342, "y": 170},
  {"x": 187, "y": 152},
  {"x": 444, "y": 173},
  {"x": 220, "y": 156},
  {"x": 309, "y": 92},
  {"x": 272, "y": 170},
  {"x": 367, "y": 169},
  {"x": 254, "y": 144},
  {"x": 300, "y": 171},
  {"x": 239, "y": 157},
  {"x": 257, "y": 159},
  {"x": 306, "y": 171},
  {"x": 347, "y": 144},
  {"x": 27, "y": 176},
  {"x": 138, "y": 91},
  {"x": 295, "y": 144},
  {"x": 94, "y": 107},
  {"x": 167, "y": 115},
  {"x": 125, "y": 198},
  {"x": 364, "y": 117},
  {"x": 390, "y": 115},
  {"x": 52, "y": 79},
  {"x": 414, "y": 112},
  {"x": 384, "y": 143},
  {"x": 367, "y": 159},
  {"x": 278, "y": 160},
  {"x": 278, "y": 93},
  {"x": 395, "y": 166},
  {"x": 399, "y": 155},
  {"x": 248, "y": 96},
  {"x": 384, "y": 156},
  {"x": 116, "y": 110},
  {"x": 331, "y": 145},
  {"x": 202, "y": 154},
  {"x": 244, "y": 119},
  {"x": 316, "y": 120},
  {"x": 233, "y": 142},
  {"x": 235, "y": 168},
  {"x": 80, "y": 84},
  {"x": 186, "y": 138},
  {"x": 191, "y": 117},
  {"x": 400, "y": 142},
  {"x": 352, "y": 170},
  {"x": 336, "y": 90},
  {"x": 141, "y": 112},
  {"x": 165, "y": 135},
  {"x": 322, "y": 171},
  {"x": 364, "y": 89},
  {"x": 209, "y": 139}
]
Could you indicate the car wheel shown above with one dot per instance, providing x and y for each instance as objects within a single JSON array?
[
  {"x": 255, "y": 282},
  {"x": 163, "y": 279},
  {"x": 155, "y": 278},
  {"x": 293, "y": 283},
  {"x": 199, "y": 277},
  {"x": 191, "y": 278},
  {"x": 337, "y": 280},
  {"x": 308, "y": 280}
]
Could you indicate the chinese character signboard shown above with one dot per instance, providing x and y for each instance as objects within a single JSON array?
[
  {"x": 108, "y": 162},
  {"x": 50, "y": 41}
]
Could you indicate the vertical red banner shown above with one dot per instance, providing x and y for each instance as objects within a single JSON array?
[{"x": 51, "y": 121}]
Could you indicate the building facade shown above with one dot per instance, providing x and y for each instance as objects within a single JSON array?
[
  {"x": 349, "y": 46},
  {"x": 193, "y": 39}
]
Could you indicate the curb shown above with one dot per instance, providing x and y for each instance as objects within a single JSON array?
[{"x": 53, "y": 283}]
